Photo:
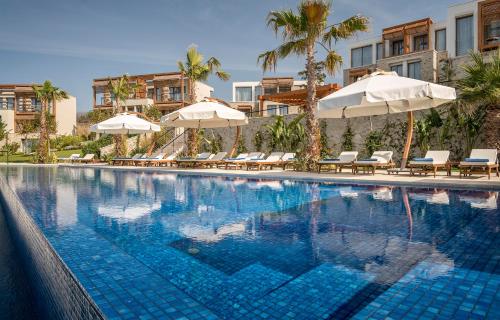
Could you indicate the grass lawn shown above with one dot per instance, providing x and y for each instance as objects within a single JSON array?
[{"x": 20, "y": 157}]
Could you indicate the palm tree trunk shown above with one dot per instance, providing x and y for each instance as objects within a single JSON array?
[
  {"x": 192, "y": 133},
  {"x": 312, "y": 125},
  {"x": 42, "y": 141},
  {"x": 119, "y": 139}
]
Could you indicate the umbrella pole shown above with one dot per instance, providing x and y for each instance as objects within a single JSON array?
[
  {"x": 235, "y": 145},
  {"x": 409, "y": 136}
]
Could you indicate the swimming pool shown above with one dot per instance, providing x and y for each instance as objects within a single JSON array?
[{"x": 161, "y": 245}]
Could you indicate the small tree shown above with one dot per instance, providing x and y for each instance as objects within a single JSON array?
[
  {"x": 3, "y": 130},
  {"x": 347, "y": 139},
  {"x": 373, "y": 142},
  {"x": 195, "y": 69},
  {"x": 47, "y": 94},
  {"x": 287, "y": 137},
  {"x": 153, "y": 113},
  {"x": 325, "y": 149},
  {"x": 258, "y": 141}
]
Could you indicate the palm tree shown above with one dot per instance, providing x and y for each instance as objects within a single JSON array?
[
  {"x": 121, "y": 89},
  {"x": 481, "y": 88},
  {"x": 195, "y": 69},
  {"x": 301, "y": 33},
  {"x": 47, "y": 94}
]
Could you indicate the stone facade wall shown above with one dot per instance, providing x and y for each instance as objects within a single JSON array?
[
  {"x": 394, "y": 124},
  {"x": 428, "y": 62}
]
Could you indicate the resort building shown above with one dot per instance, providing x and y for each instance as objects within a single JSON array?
[
  {"x": 248, "y": 96},
  {"x": 18, "y": 106},
  {"x": 168, "y": 91},
  {"x": 428, "y": 50}
]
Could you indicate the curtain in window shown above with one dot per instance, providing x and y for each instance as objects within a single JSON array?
[
  {"x": 380, "y": 51},
  {"x": 414, "y": 70},
  {"x": 440, "y": 40},
  {"x": 367, "y": 55},
  {"x": 465, "y": 38},
  {"x": 356, "y": 57},
  {"x": 398, "y": 68},
  {"x": 244, "y": 94}
]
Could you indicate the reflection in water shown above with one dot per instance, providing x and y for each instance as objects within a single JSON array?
[{"x": 229, "y": 224}]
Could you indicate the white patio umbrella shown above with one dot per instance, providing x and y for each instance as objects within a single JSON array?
[
  {"x": 125, "y": 123},
  {"x": 208, "y": 113},
  {"x": 385, "y": 93}
]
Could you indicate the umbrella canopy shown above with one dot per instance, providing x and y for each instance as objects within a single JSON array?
[
  {"x": 205, "y": 114},
  {"x": 125, "y": 123},
  {"x": 382, "y": 93}
]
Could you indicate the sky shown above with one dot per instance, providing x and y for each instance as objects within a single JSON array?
[{"x": 71, "y": 42}]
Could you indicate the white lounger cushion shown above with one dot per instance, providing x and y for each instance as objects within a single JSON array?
[
  {"x": 490, "y": 154},
  {"x": 344, "y": 157},
  {"x": 219, "y": 156},
  {"x": 438, "y": 157},
  {"x": 273, "y": 157},
  {"x": 382, "y": 157},
  {"x": 288, "y": 156}
]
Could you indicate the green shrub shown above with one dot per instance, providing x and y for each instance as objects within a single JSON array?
[
  {"x": 323, "y": 140},
  {"x": 61, "y": 142},
  {"x": 95, "y": 146},
  {"x": 258, "y": 141},
  {"x": 347, "y": 139},
  {"x": 11, "y": 148},
  {"x": 373, "y": 142}
]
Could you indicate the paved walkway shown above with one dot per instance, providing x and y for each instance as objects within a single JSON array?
[{"x": 380, "y": 177}]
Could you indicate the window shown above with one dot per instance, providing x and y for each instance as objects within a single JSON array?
[
  {"x": 440, "y": 39},
  {"x": 10, "y": 103},
  {"x": 272, "y": 110},
  {"x": 465, "y": 38},
  {"x": 243, "y": 94},
  {"x": 36, "y": 104},
  {"x": 175, "y": 93},
  {"x": 414, "y": 70},
  {"x": 151, "y": 93},
  {"x": 397, "y": 47},
  {"x": 158, "y": 94},
  {"x": 284, "y": 89},
  {"x": 420, "y": 43},
  {"x": 380, "y": 51},
  {"x": 258, "y": 92},
  {"x": 361, "y": 56},
  {"x": 270, "y": 90},
  {"x": 398, "y": 68},
  {"x": 283, "y": 110},
  {"x": 492, "y": 32}
]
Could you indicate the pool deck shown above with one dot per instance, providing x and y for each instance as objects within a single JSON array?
[{"x": 380, "y": 178}]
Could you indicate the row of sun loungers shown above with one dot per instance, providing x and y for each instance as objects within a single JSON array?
[{"x": 480, "y": 161}]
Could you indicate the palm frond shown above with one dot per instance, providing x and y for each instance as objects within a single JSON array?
[
  {"x": 269, "y": 60},
  {"x": 332, "y": 62},
  {"x": 223, "y": 75},
  {"x": 213, "y": 64},
  {"x": 287, "y": 21},
  {"x": 345, "y": 29},
  {"x": 298, "y": 47}
]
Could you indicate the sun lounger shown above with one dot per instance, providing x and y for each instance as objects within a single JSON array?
[
  {"x": 144, "y": 162},
  {"x": 189, "y": 162},
  {"x": 273, "y": 159},
  {"x": 125, "y": 160},
  {"x": 287, "y": 159},
  {"x": 214, "y": 161},
  {"x": 345, "y": 159},
  {"x": 241, "y": 156},
  {"x": 432, "y": 161},
  {"x": 237, "y": 163},
  {"x": 481, "y": 161},
  {"x": 169, "y": 160},
  {"x": 72, "y": 157},
  {"x": 88, "y": 158},
  {"x": 379, "y": 159}
]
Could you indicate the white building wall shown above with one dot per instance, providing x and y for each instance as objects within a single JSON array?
[
  {"x": 66, "y": 116},
  {"x": 454, "y": 12},
  {"x": 7, "y": 117},
  {"x": 202, "y": 90}
]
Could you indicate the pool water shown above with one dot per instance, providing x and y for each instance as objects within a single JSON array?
[{"x": 160, "y": 245}]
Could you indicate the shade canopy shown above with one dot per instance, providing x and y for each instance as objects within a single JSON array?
[
  {"x": 205, "y": 114},
  {"x": 125, "y": 123},
  {"x": 381, "y": 93}
]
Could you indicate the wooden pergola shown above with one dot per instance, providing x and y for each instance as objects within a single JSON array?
[{"x": 296, "y": 97}]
